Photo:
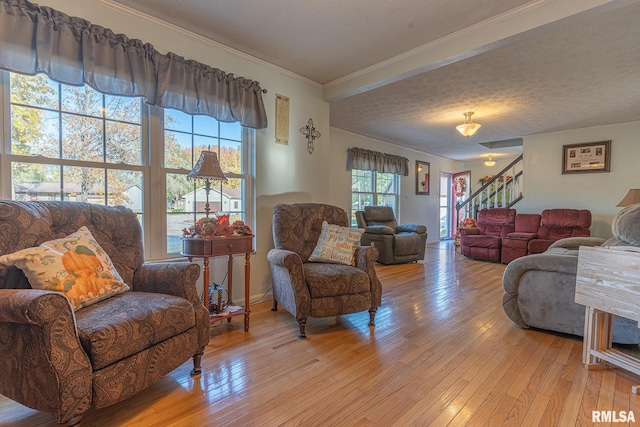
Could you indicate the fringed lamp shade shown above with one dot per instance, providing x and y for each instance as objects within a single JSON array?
[
  {"x": 632, "y": 198},
  {"x": 208, "y": 169}
]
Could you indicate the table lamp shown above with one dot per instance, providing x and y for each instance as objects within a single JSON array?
[
  {"x": 208, "y": 169},
  {"x": 632, "y": 197}
]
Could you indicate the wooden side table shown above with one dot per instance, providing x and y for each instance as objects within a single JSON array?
[
  {"x": 222, "y": 246},
  {"x": 608, "y": 283}
]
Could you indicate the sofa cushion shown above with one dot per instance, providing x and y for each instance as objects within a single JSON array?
[
  {"x": 74, "y": 265},
  {"x": 128, "y": 323},
  {"x": 336, "y": 244},
  {"x": 328, "y": 280},
  {"x": 482, "y": 241}
]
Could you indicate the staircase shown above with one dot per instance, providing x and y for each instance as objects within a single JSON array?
[{"x": 502, "y": 190}]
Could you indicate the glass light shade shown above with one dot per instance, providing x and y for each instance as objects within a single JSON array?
[
  {"x": 490, "y": 162},
  {"x": 632, "y": 198},
  {"x": 468, "y": 128}
]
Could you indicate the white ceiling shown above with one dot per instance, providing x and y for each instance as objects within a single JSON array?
[{"x": 405, "y": 71}]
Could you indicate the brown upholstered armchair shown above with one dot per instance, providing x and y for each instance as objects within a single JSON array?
[
  {"x": 62, "y": 362},
  {"x": 313, "y": 289}
]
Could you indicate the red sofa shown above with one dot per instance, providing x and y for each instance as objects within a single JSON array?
[
  {"x": 557, "y": 224},
  {"x": 484, "y": 242}
]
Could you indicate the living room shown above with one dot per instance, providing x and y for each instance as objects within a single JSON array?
[{"x": 290, "y": 174}]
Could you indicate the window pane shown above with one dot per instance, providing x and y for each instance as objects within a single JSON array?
[
  {"x": 125, "y": 188},
  {"x": 203, "y": 143},
  {"x": 82, "y": 138},
  {"x": 82, "y": 184},
  {"x": 229, "y": 199},
  {"x": 177, "y": 120},
  {"x": 177, "y": 150},
  {"x": 33, "y": 181},
  {"x": 36, "y": 90},
  {"x": 205, "y": 125},
  {"x": 387, "y": 200},
  {"x": 361, "y": 181},
  {"x": 34, "y": 132},
  {"x": 82, "y": 100},
  {"x": 124, "y": 143},
  {"x": 231, "y": 131},
  {"x": 175, "y": 223},
  {"x": 385, "y": 183},
  {"x": 122, "y": 109},
  {"x": 230, "y": 156},
  {"x": 178, "y": 186}
]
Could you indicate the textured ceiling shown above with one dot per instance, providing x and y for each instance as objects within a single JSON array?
[{"x": 576, "y": 71}]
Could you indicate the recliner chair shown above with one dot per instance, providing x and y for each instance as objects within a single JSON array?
[
  {"x": 484, "y": 242},
  {"x": 397, "y": 243}
]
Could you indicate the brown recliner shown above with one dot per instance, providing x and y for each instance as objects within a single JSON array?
[
  {"x": 397, "y": 243},
  {"x": 315, "y": 289},
  {"x": 62, "y": 362}
]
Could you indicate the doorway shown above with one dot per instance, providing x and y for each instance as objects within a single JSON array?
[{"x": 446, "y": 232}]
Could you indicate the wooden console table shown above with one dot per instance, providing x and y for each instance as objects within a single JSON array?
[
  {"x": 223, "y": 246},
  {"x": 608, "y": 284}
]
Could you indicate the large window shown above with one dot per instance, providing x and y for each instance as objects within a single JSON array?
[
  {"x": 371, "y": 188},
  {"x": 74, "y": 143},
  {"x": 185, "y": 137}
]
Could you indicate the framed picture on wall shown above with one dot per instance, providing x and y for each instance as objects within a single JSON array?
[
  {"x": 587, "y": 157},
  {"x": 422, "y": 177}
]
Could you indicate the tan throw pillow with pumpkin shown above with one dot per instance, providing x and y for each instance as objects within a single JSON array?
[{"x": 75, "y": 265}]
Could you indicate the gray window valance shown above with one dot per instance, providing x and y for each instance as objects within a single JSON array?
[
  {"x": 369, "y": 160},
  {"x": 73, "y": 51}
]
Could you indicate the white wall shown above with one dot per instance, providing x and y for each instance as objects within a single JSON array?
[
  {"x": 546, "y": 187},
  {"x": 414, "y": 209}
]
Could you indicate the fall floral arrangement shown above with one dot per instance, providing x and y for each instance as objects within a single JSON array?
[
  {"x": 216, "y": 226},
  {"x": 465, "y": 223}
]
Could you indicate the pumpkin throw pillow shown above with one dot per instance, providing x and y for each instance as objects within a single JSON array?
[
  {"x": 336, "y": 244},
  {"x": 74, "y": 265}
]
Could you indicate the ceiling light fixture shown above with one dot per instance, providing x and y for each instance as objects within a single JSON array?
[
  {"x": 490, "y": 162},
  {"x": 468, "y": 128}
]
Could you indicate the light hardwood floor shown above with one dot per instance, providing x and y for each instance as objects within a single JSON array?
[{"x": 443, "y": 353}]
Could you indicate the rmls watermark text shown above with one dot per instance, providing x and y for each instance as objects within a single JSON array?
[{"x": 612, "y": 417}]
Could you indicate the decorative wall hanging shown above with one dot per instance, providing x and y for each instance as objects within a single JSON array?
[
  {"x": 282, "y": 119},
  {"x": 585, "y": 158},
  {"x": 422, "y": 177},
  {"x": 311, "y": 134}
]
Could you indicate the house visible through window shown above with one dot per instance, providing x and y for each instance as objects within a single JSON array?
[
  {"x": 77, "y": 144},
  {"x": 371, "y": 188}
]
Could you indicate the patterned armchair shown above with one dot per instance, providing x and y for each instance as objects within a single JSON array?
[
  {"x": 315, "y": 289},
  {"x": 61, "y": 361}
]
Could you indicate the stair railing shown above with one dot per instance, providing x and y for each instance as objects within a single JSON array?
[{"x": 507, "y": 186}]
